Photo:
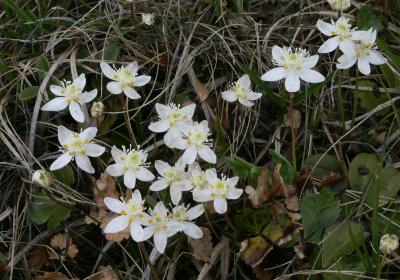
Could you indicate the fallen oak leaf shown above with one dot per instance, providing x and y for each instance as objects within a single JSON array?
[
  {"x": 39, "y": 258},
  {"x": 105, "y": 188},
  {"x": 202, "y": 248},
  {"x": 60, "y": 242},
  {"x": 292, "y": 199},
  {"x": 278, "y": 186}
]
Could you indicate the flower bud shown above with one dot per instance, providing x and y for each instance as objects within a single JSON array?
[
  {"x": 388, "y": 244},
  {"x": 97, "y": 109},
  {"x": 148, "y": 19},
  {"x": 339, "y": 5},
  {"x": 42, "y": 179}
]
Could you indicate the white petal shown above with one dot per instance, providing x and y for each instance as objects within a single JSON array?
[
  {"x": 133, "y": 67},
  {"x": 142, "y": 80},
  {"x": 176, "y": 195},
  {"x": 189, "y": 156},
  {"x": 275, "y": 74},
  {"x": 161, "y": 166},
  {"x": 147, "y": 233},
  {"x": 346, "y": 61},
  {"x": 130, "y": 92},
  {"x": 189, "y": 110},
  {"x": 84, "y": 163},
  {"x": 114, "y": 87},
  {"x": 207, "y": 154},
  {"x": 363, "y": 65},
  {"x": 376, "y": 58},
  {"x": 310, "y": 61},
  {"x": 160, "y": 209},
  {"x": 62, "y": 161},
  {"x": 136, "y": 231},
  {"x": 64, "y": 134},
  {"x": 202, "y": 195},
  {"x": 245, "y": 102},
  {"x": 117, "y": 224},
  {"x": 144, "y": 175},
  {"x": 88, "y": 134},
  {"x": 137, "y": 196},
  {"x": 159, "y": 185},
  {"x": 115, "y": 170},
  {"x": 56, "y": 104},
  {"x": 211, "y": 175},
  {"x": 277, "y": 53},
  {"x": 94, "y": 150},
  {"x": 350, "y": 50},
  {"x": 160, "y": 240},
  {"x": 234, "y": 193},
  {"x": 160, "y": 126},
  {"x": 130, "y": 179},
  {"x": 80, "y": 82},
  {"x": 253, "y": 95},
  {"x": 171, "y": 137},
  {"x": 329, "y": 45},
  {"x": 229, "y": 96},
  {"x": 310, "y": 76},
  {"x": 195, "y": 212},
  {"x": 325, "y": 28},
  {"x": 114, "y": 204},
  {"x": 292, "y": 82},
  {"x": 193, "y": 231},
  {"x": 220, "y": 205},
  {"x": 346, "y": 45},
  {"x": 245, "y": 81},
  {"x": 117, "y": 153},
  {"x": 107, "y": 70},
  {"x": 180, "y": 164},
  {"x": 57, "y": 90},
  {"x": 173, "y": 228},
  {"x": 232, "y": 181},
  {"x": 76, "y": 111},
  {"x": 86, "y": 97},
  {"x": 161, "y": 109},
  {"x": 357, "y": 35}
]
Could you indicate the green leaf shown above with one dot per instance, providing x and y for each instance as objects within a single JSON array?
[
  {"x": 361, "y": 171},
  {"x": 324, "y": 167},
  {"x": 42, "y": 209},
  {"x": 338, "y": 241},
  {"x": 392, "y": 56},
  {"x": 65, "y": 175},
  {"x": 369, "y": 100},
  {"x": 350, "y": 266},
  {"x": 110, "y": 52},
  {"x": 43, "y": 66},
  {"x": 252, "y": 220},
  {"x": 4, "y": 70},
  {"x": 287, "y": 171},
  {"x": 367, "y": 19},
  {"x": 244, "y": 169},
  {"x": 387, "y": 179},
  {"x": 318, "y": 212},
  {"x": 28, "y": 93},
  {"x": 14, "y": 7},
  {"x": 391, "y": 78}
]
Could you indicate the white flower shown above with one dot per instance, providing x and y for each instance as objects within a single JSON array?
[
  {"x": 131, "y": 214},
  {"x": 195, "y": 142},
  {"x": 70, "y": 95},
  {"x": 173, "y": 120},
  {"x": 130, "y": 163},
  {"x": 148, "y": 19},
  {"x": 364, "y": 52},
  {"x": 293, "y": 65},
  {"x": 342, "y": 33},
  {"x": 241, "y": 91},
  {"x": 42, "y": 178},
  {"x": 78, "y": 146},
  {"x": 173, "y": 177},
  {"x": 97, "y": 109},
  {"x": 197, "y": 177},
  {"x": 183, "y": 215},
  {"x": 388, "y": 244},
  {"x": 219, "y": 190},
  {"x": 161, "y": 226},
  {"x": 125, "y": 78},
  {"x": 340, "y": 5}
]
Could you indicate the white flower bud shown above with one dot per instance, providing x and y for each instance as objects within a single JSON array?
[
  {"x": 148, "y": 19},
  {"x": 389, "y": 243},
  {"x": 340, "y": 5},
  {"x": 97, "y": 109},
  {"x": 42, "y": 179}
]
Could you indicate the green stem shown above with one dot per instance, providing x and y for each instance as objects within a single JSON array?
[
  {"x": 380, "y": 266},
  {"x": 355, "y": 104},
  {"x": 209, "y": 223},
  {"x": 293, "y": 132},
  {"x": 127, "y": 121},
  {"x": 340, "y": 99}
]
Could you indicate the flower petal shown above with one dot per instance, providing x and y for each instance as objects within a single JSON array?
[
  {"x": 189, "y": 110},
  {"x": 114, "y": 204},
  {"x": 56, "y": 104},
  {"x": 76, "y": 111},
  {"x": 376, "y": 58},
  {"x": 130, "y": 92},
  {"x": 133, "y": 67},
  {"x": 311, "y": 76},
  {"x": 346, "y": 61},
  {"x": 160, "y": 126},
  {"x": 207, "y": 154},
  {"x": 277, "y": 53},
  {"x": 117, "y": 224},
  {"x": 363, "y": 65},
  {"x": 142, "y": 80},
  {"x": 161, "y": 109},
  {"x": 325, "y": 28},
  {"x": 64, "y": 134},
  {"x": 130, "y": 179},
  {"x": 84, "y": 163},
  {"x": 171, "y": 137},
  {"x": 357, "y": 35},
  {"x": 253, "y": 95},
  {"x": 62, "y": 161},
  {"x": 160, "y": 209},
  {"x": 176, "y": 195},
  {"x": 229, "y": 95},
  {"x": 173, "y": 228},
  {"x": 117, "y": 154},
  {"x": 115, "y": 170},
  {"x": 275, "y": 74},
  {"x": 147, "y": 233},
  {"x": 161, "y": 166},
  {"x": 245, "y": 102},
  {"x": 211, "y": 175},
  {"x": 192, "y": 230},
  {"x": 80, "y": 82},
  {"x": 189, "y": 156},
  {"x": 94, "y": 150},
  {"x": 88, "y": 134},
  {"x": 159, "y": 185},
  {"x": 292, "y": 82},
  {"x": 234, "y": 193},
  {"x": 245, "y": 81},
  {"x": 310, "y": 61},
  {"x": 202, "y": 195},
  {"x": 114, "y": 87},
  {"x": 232, "y": 181},
  {"x": 329, "y": 45},
  {"x": 160, "y": 241},
  {"x": 57, "y": 90},
  {"x": 144, "y": 175},
  {"x": 108, "y": 71},
  {"x": 220, "y": 205},
  {"x": 136, "y": 231},
  {"x": 195, "y": 212},
  {"x": 86, "y": 97}
]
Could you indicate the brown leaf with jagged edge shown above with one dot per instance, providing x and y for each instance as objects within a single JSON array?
[
  {"x": 296, "y": 119},
  {"x": 278, "y": 186},
  {"x": 335, "y": 182},
  {"x": 104, "y": 273},
  {"x": 280, "y": 229},
  {"x": 254, "y": 250},
  {"x": 276, "y": 208},
  {"x": 53, "y": 276},
  {"x": 292, "y": 199},
  {"x": 39, "y": 258},
  {"x": 303, "y": 250},
  {"x": 260, "y": 195},
  {"x": 59, "y": 242},
  {"x": 115, "y": 237},
  {"x": 200, "y": 88},
  {"x": 303, "y": 182},
  {"x": 105, "y": 188},
  {"x": 97, "y": 214},
  {"x": 202, "y": 248}
]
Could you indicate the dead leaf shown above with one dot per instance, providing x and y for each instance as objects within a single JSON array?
[
  {"x": 303, "y": 182},
  {"x": 303, "y": 250},
  {"x": 202, "y": 248},
  {"x": 292, "y": 199},
  {"x": 105, "y": 188},
  {"x": 59, "y": 242},
  {"x": 262, "y": 274},
  {"x": 210, "y": 207},
  {"x": 200, "y": 88},
  {"x": 278, "y": 186},
  {"x": 296, "y": 119},
  {"x": 115, "y": 237},
  {"x": 52, "y": 276},
  {"x": 104, "y": 273},
  {"x": 280, "y": 229},
  {"x": 277, "y": 208},
  {"x": 254, "y": 250},
  {"x": 260, "y": 195},
  {"x": 39, "y": 258},
  {"x": 97, "y": 214}
]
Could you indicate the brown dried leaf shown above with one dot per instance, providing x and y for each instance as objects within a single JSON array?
[
  {"x": 200, "y": 88},
  {"x": 105, "y": 188},
  {"x": 59, "y": 241},
  {"x": 106, "y": 273},
  {"x": 39, "y": 258},
  {"x": 254, "y": 250},
  {"x": 276, "y": 208},
  {"x": 202, "y": 248},
  {"x": 303, "y": 181},
  {"x": 296, "y": 119},
  {"x": 115, "y": 237},
  {"x": 263, "y": 274},
  {"x": 303, "y": 250},
  {"x": 278, "y": 186},
  {"x": 52, "y": 276},
  {"x": 260, "y": 195},
  {"x": 97, "y": 214},
  {"x": 210, "y": 207},
  {"x": 292, "y": 199}
]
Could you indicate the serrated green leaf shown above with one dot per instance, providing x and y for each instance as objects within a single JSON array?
[
  {"x": 28, "y": 93},
  {"x": 65, "y": 175},
  {"x": 252, "y": 220},
  {"x": 110, "y": 52},
  {"x": 318, "y": 212},
  {"x": 43, "y": 66},
  {"x": 287, "y": 171},
  {"x": 327, "y": 165},
  {"x": 338, "y": 242}
]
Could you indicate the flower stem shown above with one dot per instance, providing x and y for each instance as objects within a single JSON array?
[
  {"x": 380, "y": 266},
  {"x": 147, "y": 258},
  {"x": 293, "y": 132},
  {"x": 135, "y": 24},
  {"x": 340, "y": 99},
  {"x": 355, "y": 104},
  {"x": 209, "y": 222},
  {"x": 127, "y": 121}
]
